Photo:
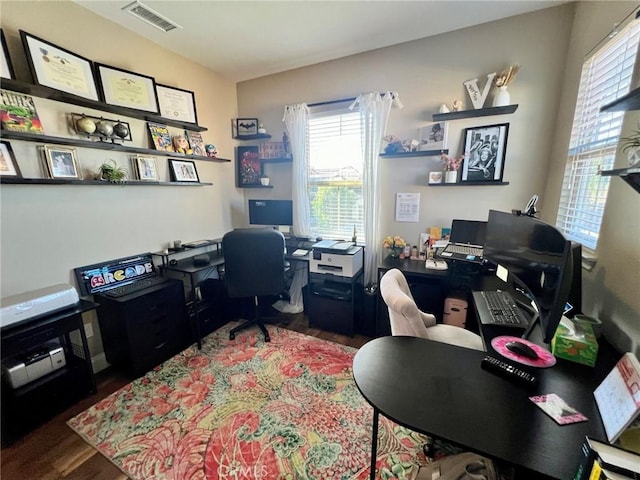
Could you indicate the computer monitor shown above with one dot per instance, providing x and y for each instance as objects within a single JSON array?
[
  {"x": 538, "y": 259},
  {"x": 273, "y": 213}
]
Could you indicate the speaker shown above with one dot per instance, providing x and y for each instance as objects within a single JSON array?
[
  {"x": 455, "y": 312},
  {"x": 201, "y": 260},
  {"x": 575, "y": 294}
]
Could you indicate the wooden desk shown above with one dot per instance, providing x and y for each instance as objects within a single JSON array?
[{"x": 440, "y": 390}]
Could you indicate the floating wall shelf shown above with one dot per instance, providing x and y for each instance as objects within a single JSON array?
[
  {"x": 630, "y": 101},
  {"x": 468, "y": 184},
  {"x": 257, "y": 136},
  {"x": 424, "y": 153},
  {"x": 65, "y": 181},
  {"x": 480, "y": 112}
]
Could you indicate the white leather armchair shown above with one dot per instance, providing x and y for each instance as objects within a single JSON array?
[{"x": 407, "y": 319}]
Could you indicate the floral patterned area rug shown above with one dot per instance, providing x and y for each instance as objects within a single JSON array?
[{"x": 246, "y": 409}]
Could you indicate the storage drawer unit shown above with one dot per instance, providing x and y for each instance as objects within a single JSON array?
[
  {"x": 332, "y": 302},
  {"x": 142, "y": 330}
]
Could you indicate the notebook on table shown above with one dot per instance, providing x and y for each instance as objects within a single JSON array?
[{"x": 466, "y": 242}]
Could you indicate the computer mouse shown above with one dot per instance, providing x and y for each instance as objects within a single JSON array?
[{"x": 523, "y": 349}]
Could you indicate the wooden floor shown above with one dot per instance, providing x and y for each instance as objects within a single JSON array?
[{"x": 54, "y": 451}]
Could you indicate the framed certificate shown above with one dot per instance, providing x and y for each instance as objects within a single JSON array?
[
  {"x": 55, "y": 67},
  {"x": 127, "y": 89},
  {"x": 6, "y": 69},
  {"x": 176, "y": 103}
]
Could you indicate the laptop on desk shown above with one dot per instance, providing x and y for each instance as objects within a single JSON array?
[{"x": 466, "y": 241}]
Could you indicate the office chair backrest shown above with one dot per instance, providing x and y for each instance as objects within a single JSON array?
[{"x": 254, "y": 262}]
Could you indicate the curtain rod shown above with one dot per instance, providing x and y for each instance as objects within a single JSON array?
[{"x": 331, "y": 102}]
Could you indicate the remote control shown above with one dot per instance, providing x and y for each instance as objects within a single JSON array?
[{"x": 508, "y": 371}]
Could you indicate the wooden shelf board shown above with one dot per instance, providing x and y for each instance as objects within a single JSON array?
[
  {"x": 468, "y": 184},
  {"x": 257, "y": 136},
  {"x": 276, "y": 160},
  {"x": 64, "y": 181},
  {"x": 77, "y": 142},
  {"x": 59, "y": 96},
  {"x": 255, "y": 186},
  {"x": 480, "y": 112},
  {"x": 424, "y": 153},
  {"x": 630, "y": 101}
]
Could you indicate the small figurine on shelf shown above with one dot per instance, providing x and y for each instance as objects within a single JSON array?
[
  {"x": 394, "y": 144},
  {"x": 457, "y": 106},
  {"x": 262, "y": 130},
  {"x": 210, "y": 150},
  {"x": 181, "y": 145}
]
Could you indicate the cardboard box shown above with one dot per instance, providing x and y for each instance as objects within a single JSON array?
[{"x": 578, "y": 344}]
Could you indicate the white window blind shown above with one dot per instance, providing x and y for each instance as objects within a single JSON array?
[
  {"x": 606, "y": 76},
  {"x": 335, "y": 174}
]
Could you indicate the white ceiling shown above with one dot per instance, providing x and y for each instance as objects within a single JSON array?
[{"x": 249, "y": 39}]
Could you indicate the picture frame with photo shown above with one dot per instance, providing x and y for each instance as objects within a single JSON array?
[
  {"x": 183, "y": 170},
  {"x": 176, "y": 103},
  {"x": 58, "y": 68},
  {"x": 484, "y": 153},
  {"x": 6, "y": 67},
  {"x": 62, "y": 162},
  {"x": 146, "y": 168},
  {"x": 246, "y": 126},
  {"x": 8, "y": 164},
  {"x": 433, "y": 136},
  {"x": 127, "y": 89}
]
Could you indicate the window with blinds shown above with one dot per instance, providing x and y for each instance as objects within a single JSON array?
[
  {"x": 606, "y": 76},
  {"x": 335, "y": 174}
]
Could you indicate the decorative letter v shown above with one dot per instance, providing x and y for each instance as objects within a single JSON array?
[{"x": 474, "y": 91}]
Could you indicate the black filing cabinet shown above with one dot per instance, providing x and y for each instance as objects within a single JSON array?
[
  {"x": 141, "y": 330},
  {"x": 334, "y": 302}
]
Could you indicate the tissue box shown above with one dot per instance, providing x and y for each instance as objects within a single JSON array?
[{"x": 578, "y": 344}]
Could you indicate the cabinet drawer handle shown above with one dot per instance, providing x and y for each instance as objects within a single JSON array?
[{"x": 158, "y": 347}]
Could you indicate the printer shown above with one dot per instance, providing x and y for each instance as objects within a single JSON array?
[
  {"x": 36, "y": 303},
  {"x": 343, "y": 259},
  {"x": 33, "y": 364}
]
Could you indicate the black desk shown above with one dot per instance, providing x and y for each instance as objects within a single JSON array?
[{"x": 440, "y": 390}]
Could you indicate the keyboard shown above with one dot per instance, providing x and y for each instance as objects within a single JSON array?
[
  {"x": 464, "y": 250},
  {"x": 134, "y": 287},
  {"x": 498, "y": 308}
]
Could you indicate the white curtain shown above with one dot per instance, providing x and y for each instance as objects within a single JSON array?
[
  {"x": 374, "y": 110},
  {"x": 295, "y": 120}
]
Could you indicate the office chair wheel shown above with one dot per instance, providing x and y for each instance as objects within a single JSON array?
[{"x": 232, "y": 336}]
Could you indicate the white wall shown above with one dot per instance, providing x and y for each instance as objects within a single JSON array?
[
  {"x": 550, "y": 46},
  {"x": 46, "y": 231}
]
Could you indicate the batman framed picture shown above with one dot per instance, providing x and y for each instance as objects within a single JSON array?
[{"x": 246, "y": 126}]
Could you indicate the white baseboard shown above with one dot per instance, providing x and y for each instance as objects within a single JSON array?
[{"x": 99, "y": 362}]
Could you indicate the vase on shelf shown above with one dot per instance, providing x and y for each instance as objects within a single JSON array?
[
  {"x": 394, "y": 252},
  {"x": 502, "y": 98},
  {"x": 451, "y": 176}
]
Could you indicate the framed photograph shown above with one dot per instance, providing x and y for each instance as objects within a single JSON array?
[
  {"x": 176, "y": 103},
  {"x": 55, "y": 67},
  {"x": 246, "y": 126},
  {"x": 249, "y": 166},
  {"x": 484, "y": 153},
  {"x": 8, "y": 164},
  {"x": 433, "y": 136},
  {"x": 6, "y": 68},
  {"x": 183, "y": 170},
  {"x": 127, "y": 89},
  {"x": 62, "y": 162},
  {"x": 146, "y": 168}
]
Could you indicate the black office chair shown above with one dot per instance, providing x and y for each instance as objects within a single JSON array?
[{"x": 254, "y": 266}]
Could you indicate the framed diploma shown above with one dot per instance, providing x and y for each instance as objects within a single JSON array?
[
  {"x": 6, "y": 69},
  {"x": 176, "y": 103},
  {"x": 55, "y": 67},
  {"x": 127, "y": 89}
]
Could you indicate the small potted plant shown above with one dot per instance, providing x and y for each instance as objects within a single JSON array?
[
  {"x": 264, "y": 180},
  {"x": 109, "y": 171},
  {"x": 631, "y": 146},
  {"x": 451, "y": 167}
]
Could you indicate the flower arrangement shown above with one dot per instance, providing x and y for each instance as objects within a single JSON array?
[
  {"x": 452, "y": 164},
  {"x": 394, "y": 243},
  {"x": 505, "y": 77}
]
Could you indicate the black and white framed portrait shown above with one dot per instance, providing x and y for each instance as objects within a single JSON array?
[{"x": 484, "y": 153}]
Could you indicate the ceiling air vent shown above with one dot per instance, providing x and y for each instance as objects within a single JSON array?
[{"x": 150, "y": 16}]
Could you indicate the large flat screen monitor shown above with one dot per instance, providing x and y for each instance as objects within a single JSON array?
[
  {"x": 273, "y": 213},
  {"x": 539, "y": 261}
]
